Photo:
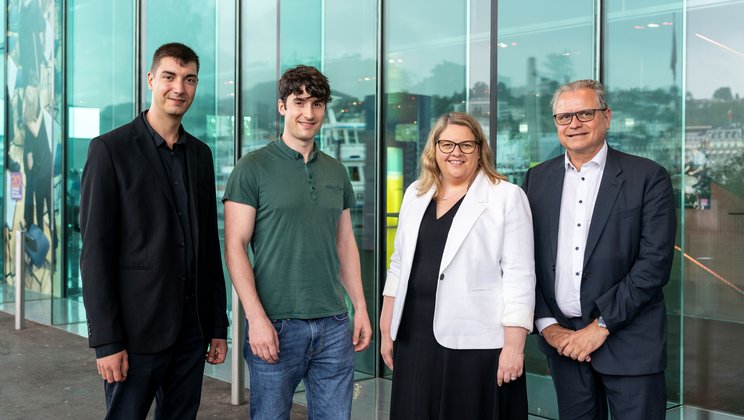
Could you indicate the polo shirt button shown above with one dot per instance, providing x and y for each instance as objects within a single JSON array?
[
  {"x": 441, "y": 276},
  {"x": 578, "y": 273}
]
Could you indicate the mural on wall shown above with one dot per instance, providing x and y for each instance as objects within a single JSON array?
[{"x": 31, "y": 133}]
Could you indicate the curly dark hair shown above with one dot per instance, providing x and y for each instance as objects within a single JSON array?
[{"x": 314, "y": 82}]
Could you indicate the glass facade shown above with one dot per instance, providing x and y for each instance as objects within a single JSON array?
[{"x": 75, "y": 69}]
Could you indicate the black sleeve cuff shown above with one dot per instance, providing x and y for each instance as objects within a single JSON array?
[{"x": 108, "y": 349}]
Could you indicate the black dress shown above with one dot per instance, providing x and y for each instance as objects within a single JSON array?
[{"x": 434, "y": 382}]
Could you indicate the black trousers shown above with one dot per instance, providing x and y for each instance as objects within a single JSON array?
[{"x": 173, "y": 377}]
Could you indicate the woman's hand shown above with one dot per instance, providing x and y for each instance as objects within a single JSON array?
[
  {"x": 511, "y": 366},
  {"x": 511, "y": 360},
  {"x": 386, "y": 341},
  {"x": 386, "y": 350}
]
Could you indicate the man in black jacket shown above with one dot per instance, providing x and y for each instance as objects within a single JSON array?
[{"x": 153, "y": 286}]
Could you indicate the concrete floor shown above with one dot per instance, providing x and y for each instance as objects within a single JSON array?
[{"x": 47, "y": 373}]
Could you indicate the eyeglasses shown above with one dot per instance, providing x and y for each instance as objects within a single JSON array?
[
  {"x": 467, "y": 146},
  {"x": 585, "y": 115}
]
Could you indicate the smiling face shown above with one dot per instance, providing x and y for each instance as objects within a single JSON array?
[
  {"x": 173, "y": 87},
  {"x": 303, "y": 117},
  {"x": 582, "y": 140},
  {"x": 456, "y": 166}
]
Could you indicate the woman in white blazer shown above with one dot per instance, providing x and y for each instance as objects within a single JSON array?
[{"x": 460, "y": 292}]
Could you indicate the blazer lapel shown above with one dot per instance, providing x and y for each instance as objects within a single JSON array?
[
  {"x": 554, "y": 193},
  {"x": 608, "y": 191},
  {"x": 470, "y": 210},
  {"x": 150, "y": 154}
]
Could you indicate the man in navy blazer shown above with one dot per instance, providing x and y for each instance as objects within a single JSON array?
[
  {"x": 604, "y": 224},
  {"x": 153, "y": 286}
]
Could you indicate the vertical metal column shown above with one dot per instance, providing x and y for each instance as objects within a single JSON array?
[
  {"x": 237, "y": 321},
  {"x": 19, "y": 276},
  {"x": 599, "y": 27}
]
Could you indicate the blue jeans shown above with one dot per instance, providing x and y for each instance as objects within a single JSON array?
[{"x": 316, "y": 351}]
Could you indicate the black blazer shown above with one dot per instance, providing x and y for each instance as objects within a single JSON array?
[
  {"x": 628, "y": 259},
  {"x": 133, "y": 289}
]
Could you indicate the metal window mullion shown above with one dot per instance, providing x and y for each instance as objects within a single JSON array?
[
  {"x": 237, "y": 367},
  {"x": 380, "y": 208},
  {"x": 599, "y": 24}
]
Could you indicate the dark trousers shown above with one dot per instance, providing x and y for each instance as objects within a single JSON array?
[
  {"x": 584, "y": 394},
  {"x": 173, "y": 377}
]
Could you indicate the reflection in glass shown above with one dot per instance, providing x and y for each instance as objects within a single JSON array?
[
  {"x": 643, "y": 80},
  {"x": 96, "y": 50},
  {"x": 540, "y": 47},
  {"x": 712, "y": 184}
]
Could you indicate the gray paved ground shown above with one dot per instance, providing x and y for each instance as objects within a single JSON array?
[{"x": 46, "y": 373}]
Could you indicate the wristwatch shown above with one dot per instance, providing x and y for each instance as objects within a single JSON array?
[{"x": 601, "y": 323}]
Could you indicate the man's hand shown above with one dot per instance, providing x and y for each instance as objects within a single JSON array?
[
  {"x": 113, "y": 368},
  {"x": 585, "y": 341},
  {"x": 217, "y": 351},
  {"x": 263, "y": 339},
  {"x": 557, "y": 336},
  {"x": 362, "y": 331}
]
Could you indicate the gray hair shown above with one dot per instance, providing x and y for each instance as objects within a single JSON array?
[{"x": 599, "y": 91}]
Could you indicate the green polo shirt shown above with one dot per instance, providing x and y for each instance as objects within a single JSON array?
[{"x": 298, "y": 205}]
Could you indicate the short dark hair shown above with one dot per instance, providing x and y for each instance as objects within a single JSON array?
[
  {"x": 180, "y": 52},
  {"x": 314, "y": 82}
]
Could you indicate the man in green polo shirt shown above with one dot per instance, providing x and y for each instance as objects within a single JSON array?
[{"x": 291, "y": 202}]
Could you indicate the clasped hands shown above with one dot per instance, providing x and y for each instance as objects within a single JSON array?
[{"x": 577, "y": 345}]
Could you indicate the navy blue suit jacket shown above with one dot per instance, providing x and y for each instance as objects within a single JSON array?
[{"x": 628, "y": 258}]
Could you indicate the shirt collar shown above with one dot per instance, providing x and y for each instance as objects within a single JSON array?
[
  {"x": 599, "y": 159},
  {"x": 157, "y": 138},
  {"x": 293, "y": 154}
]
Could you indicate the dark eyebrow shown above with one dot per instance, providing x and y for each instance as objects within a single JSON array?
[{"x": 170, "y": 73}]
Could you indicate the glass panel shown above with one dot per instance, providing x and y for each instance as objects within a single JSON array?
[
  {"x": 340, "y": 38},
  {"x": 541, "y": 45},
  {"x": 349, "y": 132},
  {"x": 258, "y": 66},
  {"x": 209, "y": 29},
  {"x": 434, "y": 63},
  {"x": 714, "y": 205},
  {"x": 644, "y": 85},
  {"x": 33, "y": 124},
  {"x": 100, "y": 38},
  {"x": 425, "y": 67},
  {"x": 5, "y": 291}
]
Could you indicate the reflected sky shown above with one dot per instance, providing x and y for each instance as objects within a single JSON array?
[{"x": 715, "y": 47}]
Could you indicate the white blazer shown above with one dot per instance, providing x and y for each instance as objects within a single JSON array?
[{"x": 487, "y": 275}]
